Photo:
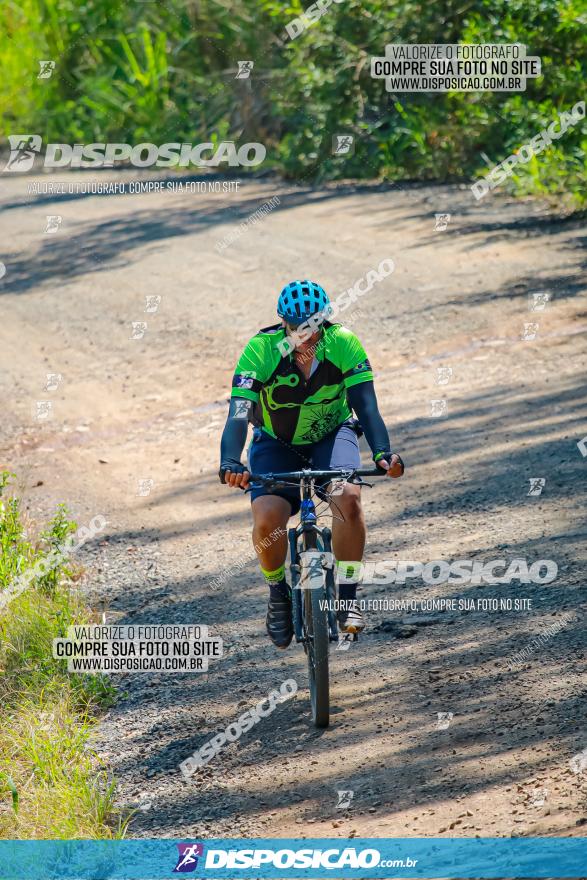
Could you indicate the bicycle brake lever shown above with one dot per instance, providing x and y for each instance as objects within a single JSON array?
[
  {"x": 250, "y": 487},
  {"x": 358, "y": 481}
]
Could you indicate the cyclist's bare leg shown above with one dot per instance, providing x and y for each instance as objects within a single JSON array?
[
  {"x": 270, "y": 516},
  {"x": 348, "y": 545},
  {"x": 348, "y": 537}
]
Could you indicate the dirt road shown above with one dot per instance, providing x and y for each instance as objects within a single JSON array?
[{"x": 137, "y": 415}]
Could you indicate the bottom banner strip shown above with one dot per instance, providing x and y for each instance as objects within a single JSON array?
[{"x": 227, "y": 859}]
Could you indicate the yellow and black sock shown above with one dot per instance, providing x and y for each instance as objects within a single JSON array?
[
  {"x": 276, "y": 582},
  {"x": 348, "y": 575}
]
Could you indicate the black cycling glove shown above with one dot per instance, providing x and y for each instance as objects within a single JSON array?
[
  {"x": 386, "y": 456},
  {"x": 233, "y": 467}
]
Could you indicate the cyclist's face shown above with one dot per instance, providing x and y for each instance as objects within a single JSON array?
[{"x": 308, "y": 342}]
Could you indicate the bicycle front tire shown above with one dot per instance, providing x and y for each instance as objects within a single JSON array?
[{"x": 316, "y": 625}]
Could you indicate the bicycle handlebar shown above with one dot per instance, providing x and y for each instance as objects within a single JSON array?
[{"x": 318, "y": 475}]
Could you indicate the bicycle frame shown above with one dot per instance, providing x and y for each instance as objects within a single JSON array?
[
  {"x": 314, "y": 625},
  {"x": 309, "y": 529},
  {"x": 312, "y": 532}
]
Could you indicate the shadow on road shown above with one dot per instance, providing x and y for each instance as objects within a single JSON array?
[{"x": 462, "y": 663}]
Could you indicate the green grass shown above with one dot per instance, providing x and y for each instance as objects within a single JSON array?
[{"x": 52, "y": 785}]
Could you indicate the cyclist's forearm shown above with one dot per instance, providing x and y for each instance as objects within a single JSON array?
[
  {"x": 234, "y": 435},
  {"x": 364, "y": 402}
]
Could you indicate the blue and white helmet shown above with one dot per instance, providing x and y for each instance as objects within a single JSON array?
[{"x": 299, "y": 300}]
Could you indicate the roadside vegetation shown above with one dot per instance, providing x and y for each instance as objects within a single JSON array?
[
  {"x": 166, "y": 72},
  {"x": 51, "y": 783}
]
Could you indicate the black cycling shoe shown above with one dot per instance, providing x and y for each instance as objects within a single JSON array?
[
  {"x": 350, "y": 618},
  {"x": 279, "y": 620}
]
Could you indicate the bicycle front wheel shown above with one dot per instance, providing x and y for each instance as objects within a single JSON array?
[{"x": 317, "y": 636}]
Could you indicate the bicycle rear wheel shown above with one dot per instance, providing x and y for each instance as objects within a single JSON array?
[{"x": 317, "y": 640}]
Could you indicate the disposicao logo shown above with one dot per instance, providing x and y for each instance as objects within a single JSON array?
[
  {"x": 24, "y": 148},
  {"x": 329, "y": 859}
]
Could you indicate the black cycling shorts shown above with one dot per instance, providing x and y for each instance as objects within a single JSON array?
[{"x": 266, "y": 454}]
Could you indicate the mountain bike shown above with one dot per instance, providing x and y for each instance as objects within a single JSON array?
[{"x": 312, "y": 566}]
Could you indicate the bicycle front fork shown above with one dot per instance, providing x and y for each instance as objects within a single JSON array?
[
  {"x": 295, "y": 568},
  {"x": 329, "y": 588}
]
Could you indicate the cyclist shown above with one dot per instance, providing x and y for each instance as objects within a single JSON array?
[{"x": 298, "y": 382}]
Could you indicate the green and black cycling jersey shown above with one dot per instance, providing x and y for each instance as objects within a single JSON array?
[
  {"x": 296, "y": 410},
  {"x": 288, "y": 406}
]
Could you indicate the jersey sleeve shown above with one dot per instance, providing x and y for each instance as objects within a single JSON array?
[
  {"x": 250, "y": 371},
  {"x": 354, "y": 362}
]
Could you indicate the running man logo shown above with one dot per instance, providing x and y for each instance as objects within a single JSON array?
[
  {"x": 46, "y": 69},
  {"x": 43, "y": 410},
  {"x": 23, "y": 149},
  {"x": 53, "y": 380},
  {"x": 443, "y": 375},
  {"x": 241, "y": 409},
  {"x": 187, "y": 861},
  {"x": 145, "y": 486},
  {"x": 139, "y": 328},
  {"x": 538, "y": 797},
  {"x": 537, "y": 484},
  {"x": 244, "y": 69},
  {"x": 438, "y": 408},
  {"x": 538, "y": 301},
  {"x": 441, "y": 222},
  {"x": 443, "y": 720},
  {"x": 530, "y": 331},
  {"x": 343, "y": 145},
  {"x": 312, "y": 575},
  {"x": 344, "y": 799},
  {"x": 152, "y": 303},
  {"x": 53, "y": 223}
]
